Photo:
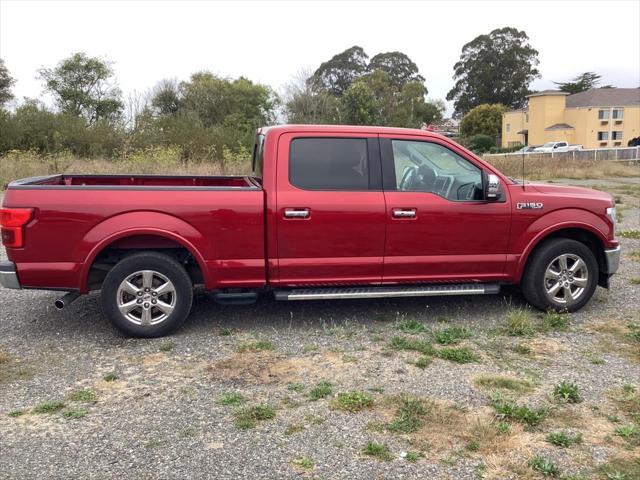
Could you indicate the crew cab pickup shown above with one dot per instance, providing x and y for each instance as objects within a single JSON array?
[
  {"x": 329, "y": 212},
  {"x": 557, "y": 147}
]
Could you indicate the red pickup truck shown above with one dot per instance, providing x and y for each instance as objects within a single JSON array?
[{"x": 329, "y": 212}]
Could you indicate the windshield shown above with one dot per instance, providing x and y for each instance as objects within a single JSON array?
[
  {"x": 258, "y": 153},
  {"x": 549, "y": 144}
]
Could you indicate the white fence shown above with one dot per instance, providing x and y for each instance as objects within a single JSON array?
[{"x": 626, "y": 154}]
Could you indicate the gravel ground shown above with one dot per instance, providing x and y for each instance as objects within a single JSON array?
[{"x": 160, "y": 417}]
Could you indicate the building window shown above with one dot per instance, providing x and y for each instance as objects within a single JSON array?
[
  {"x": 618, "y": 113},
  {"x": 603, "y": 136},
  {"x": 526, "y": 117},
  {"x": 616, "y": 135},
  {"x": 508, "y": 127},
  {"x": 603, "y": 114}
]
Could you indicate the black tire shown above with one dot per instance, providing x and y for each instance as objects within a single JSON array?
[
  {"x": 180, "y": 296},
  {"x": 534, "y": 285}
]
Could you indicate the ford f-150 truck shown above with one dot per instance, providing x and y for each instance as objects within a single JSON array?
[
  {"x": 557, "y": 147},
  {"x": 329, "y": 212}
]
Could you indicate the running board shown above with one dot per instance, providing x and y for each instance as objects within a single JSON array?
[{"x": 388, "y": 291}]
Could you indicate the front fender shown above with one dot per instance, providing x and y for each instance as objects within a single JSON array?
[
  {"x": 563, "y": 219},
  {"x": 142, "y": 223}
]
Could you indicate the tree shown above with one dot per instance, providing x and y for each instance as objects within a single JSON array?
[
  {"x": 581, "y": 83},
  {"x": 84, "y": 86},
  {"x": 398, "y": 66},
  {"x": 335, "y": 75},
  {"x": 6, "y": 81},
  {"x": 483, "y": 120},
  {"x": 359, "y": 104},
  {"x": 236, "y": 103},
  {"x": 166, "y": 98},
  {"x": 304, "y": 106},
  {"x": 494, "y": 68}
]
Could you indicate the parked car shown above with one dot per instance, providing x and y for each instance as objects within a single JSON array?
[
  {"x": 330, "y": 212},
  {"x": 557, "y": 147},
  {"x": 527, "y": 149}
]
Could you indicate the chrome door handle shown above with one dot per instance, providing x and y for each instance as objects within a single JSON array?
[
  {"x": 404, "y": 213},
  {"x": 296, "y": 213}
]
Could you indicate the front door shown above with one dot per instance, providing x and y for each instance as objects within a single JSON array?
[
  {"x": 330, "y": 210},
  {"x": 439, "y": 227}
]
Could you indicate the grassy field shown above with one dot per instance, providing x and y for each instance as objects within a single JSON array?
[
  {"x": 547, "y": 169},
  {"x": 166, "y": 161}
]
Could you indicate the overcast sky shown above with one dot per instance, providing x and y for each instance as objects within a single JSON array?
[{"x": 269, "y": 42}]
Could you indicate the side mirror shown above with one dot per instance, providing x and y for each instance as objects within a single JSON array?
[{"x": 491, "y": 186}]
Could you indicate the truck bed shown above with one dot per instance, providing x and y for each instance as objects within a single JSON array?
[
  {"x": 136, "y": 181},
  {"x": 218, "y": 220}
]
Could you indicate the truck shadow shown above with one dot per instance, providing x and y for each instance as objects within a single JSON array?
[
  {"x": 84, "y": 318},
  {"x": 322, "y": 314}
]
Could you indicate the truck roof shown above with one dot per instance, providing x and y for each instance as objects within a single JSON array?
[{"x": 348, "y": 128}]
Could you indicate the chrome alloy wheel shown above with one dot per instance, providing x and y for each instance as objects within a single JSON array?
[
  {"x": 566, "y": 278},
  {"x": 146, "y": 297}
]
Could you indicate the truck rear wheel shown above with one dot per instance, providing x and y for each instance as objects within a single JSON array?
[
  {"x": 561, "y": 275},
  {"x": 147, "y": 294}
]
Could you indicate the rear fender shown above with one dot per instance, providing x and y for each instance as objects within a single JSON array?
[{"x": 142, "y": 223}]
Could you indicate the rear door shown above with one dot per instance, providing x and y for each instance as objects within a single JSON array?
[
  {"x": 438, "y": 225},
  {"x": 330, "y": 209}
]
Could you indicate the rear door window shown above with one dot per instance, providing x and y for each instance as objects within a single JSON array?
[{"x": 329, "y": 163}]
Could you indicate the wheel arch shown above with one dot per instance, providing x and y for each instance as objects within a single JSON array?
[
  {"x": 583, "y": 233},
  {"x": 143, "y": 230}
]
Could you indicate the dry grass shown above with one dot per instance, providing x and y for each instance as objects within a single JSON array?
[
  {"x": 267, "y": 367},
  {"x": 546, "y": 169},
  {"x": 164, "y": 161},
  {"x": 446, "y": 432},
  {"x": 12, "y": 369},
  {"x": 617, "y": 337},
  {"x": 167, "y": 161}
]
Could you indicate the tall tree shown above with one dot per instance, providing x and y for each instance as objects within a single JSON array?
[
  {"x": 581, "y": 83},
  {"x": 303, "y": 105},
  {"x": 398, "y": 66},
  {"x": 217, "y": 101},
  {"x": 84, "y": 86},
  {"x": 335, "y": 75},
  {"x": 494, "y": 68},
  {"x": 6, "y": 81}
]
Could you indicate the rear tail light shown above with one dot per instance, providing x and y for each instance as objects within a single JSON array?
[{"x": 12, "y": 222}]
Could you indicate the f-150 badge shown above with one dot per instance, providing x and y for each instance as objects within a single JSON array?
[{"x": 529, "y": 206}]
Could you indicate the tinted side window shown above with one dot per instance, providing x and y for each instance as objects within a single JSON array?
[{"x": 329, "y": 163}]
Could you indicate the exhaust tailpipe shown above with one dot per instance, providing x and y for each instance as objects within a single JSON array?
[{"x": 66, "y": 300}]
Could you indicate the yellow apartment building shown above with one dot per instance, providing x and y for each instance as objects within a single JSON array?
[{"x": 595, "y": 118}]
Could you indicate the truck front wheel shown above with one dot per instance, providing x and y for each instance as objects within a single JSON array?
[
  {"x": 147, "y": 294},
  {"x": 561, "y": 275}
]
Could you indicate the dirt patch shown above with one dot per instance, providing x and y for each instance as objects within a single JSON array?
[
  {"x": 545, "y": 346},
  {"x": 270, "y": 367}
]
